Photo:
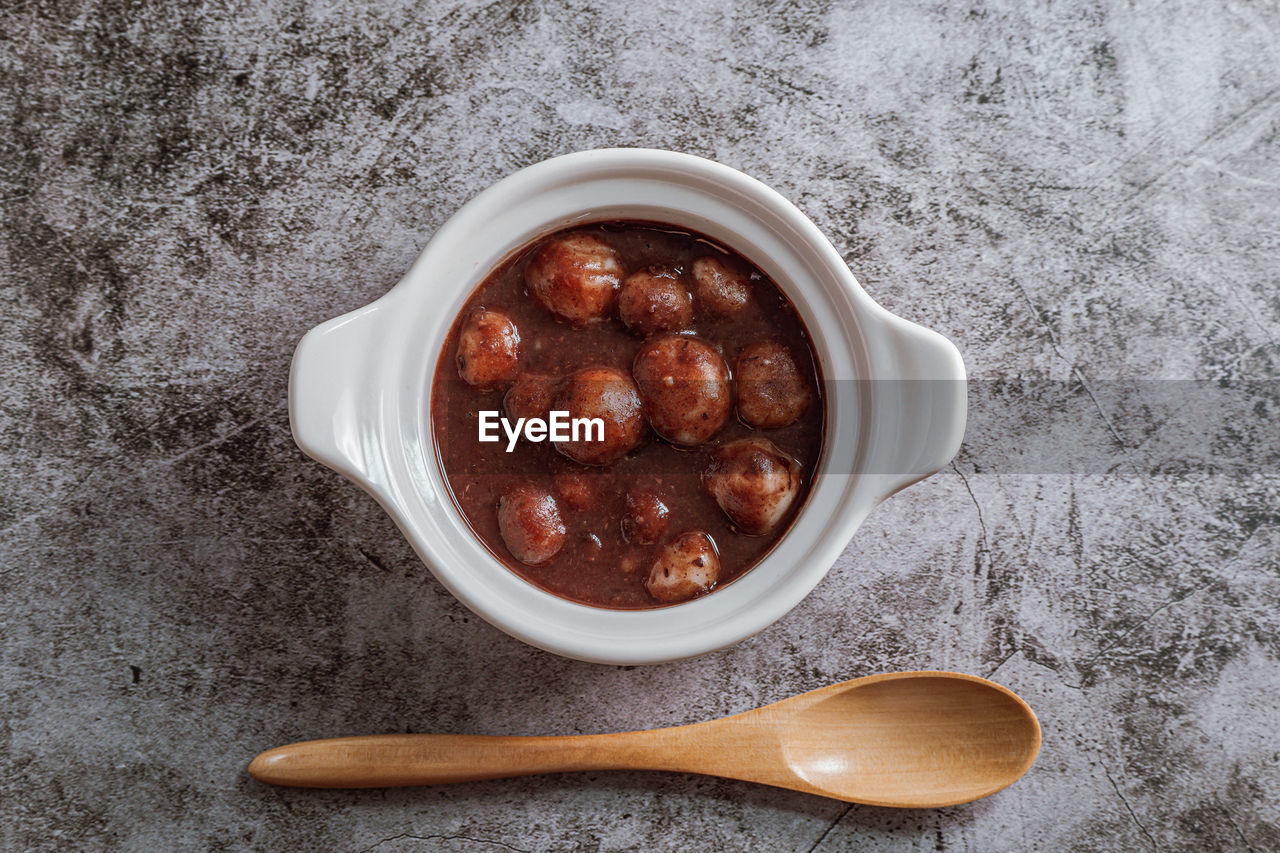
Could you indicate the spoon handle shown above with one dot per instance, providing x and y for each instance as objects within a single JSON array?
[{"x": 384, "y": 761}]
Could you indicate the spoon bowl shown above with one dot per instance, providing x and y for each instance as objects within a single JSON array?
[
  {"x": 907, "y": 739},
  {"x": 912, "y": 739}
]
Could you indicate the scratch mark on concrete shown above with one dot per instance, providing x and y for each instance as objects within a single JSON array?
[
  {"x": 470, "y": 838},
  {"x": 1075, "y": 370},
  {"x": 830, "y": 827},
  {"x": 1129, "y": 809}
]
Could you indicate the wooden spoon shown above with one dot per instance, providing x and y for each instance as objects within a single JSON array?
[{"x": 908, "y": 739}]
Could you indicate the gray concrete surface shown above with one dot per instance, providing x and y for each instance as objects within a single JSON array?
[{"x": 1075, "y": 193}]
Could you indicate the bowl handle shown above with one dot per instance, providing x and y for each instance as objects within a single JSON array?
[
  {"x": 334, "y": 407},
  {"x": 921, "y": 406}
]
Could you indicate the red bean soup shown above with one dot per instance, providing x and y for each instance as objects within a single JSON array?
[{"x": 672, "y": 414}]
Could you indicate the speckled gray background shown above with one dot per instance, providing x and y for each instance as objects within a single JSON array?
[{"x": 1074, "y": 193}]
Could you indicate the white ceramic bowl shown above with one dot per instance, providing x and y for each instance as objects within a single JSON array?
[{"x": 359, "y": 397}]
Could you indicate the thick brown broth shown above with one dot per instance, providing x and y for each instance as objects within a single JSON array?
[{"x": 596, "y": 565}]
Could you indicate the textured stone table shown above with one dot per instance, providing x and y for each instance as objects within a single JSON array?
[{"x": 1076, "y": 196}]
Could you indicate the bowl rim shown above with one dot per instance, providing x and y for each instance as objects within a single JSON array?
[{"x": 389, "y": 427}]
